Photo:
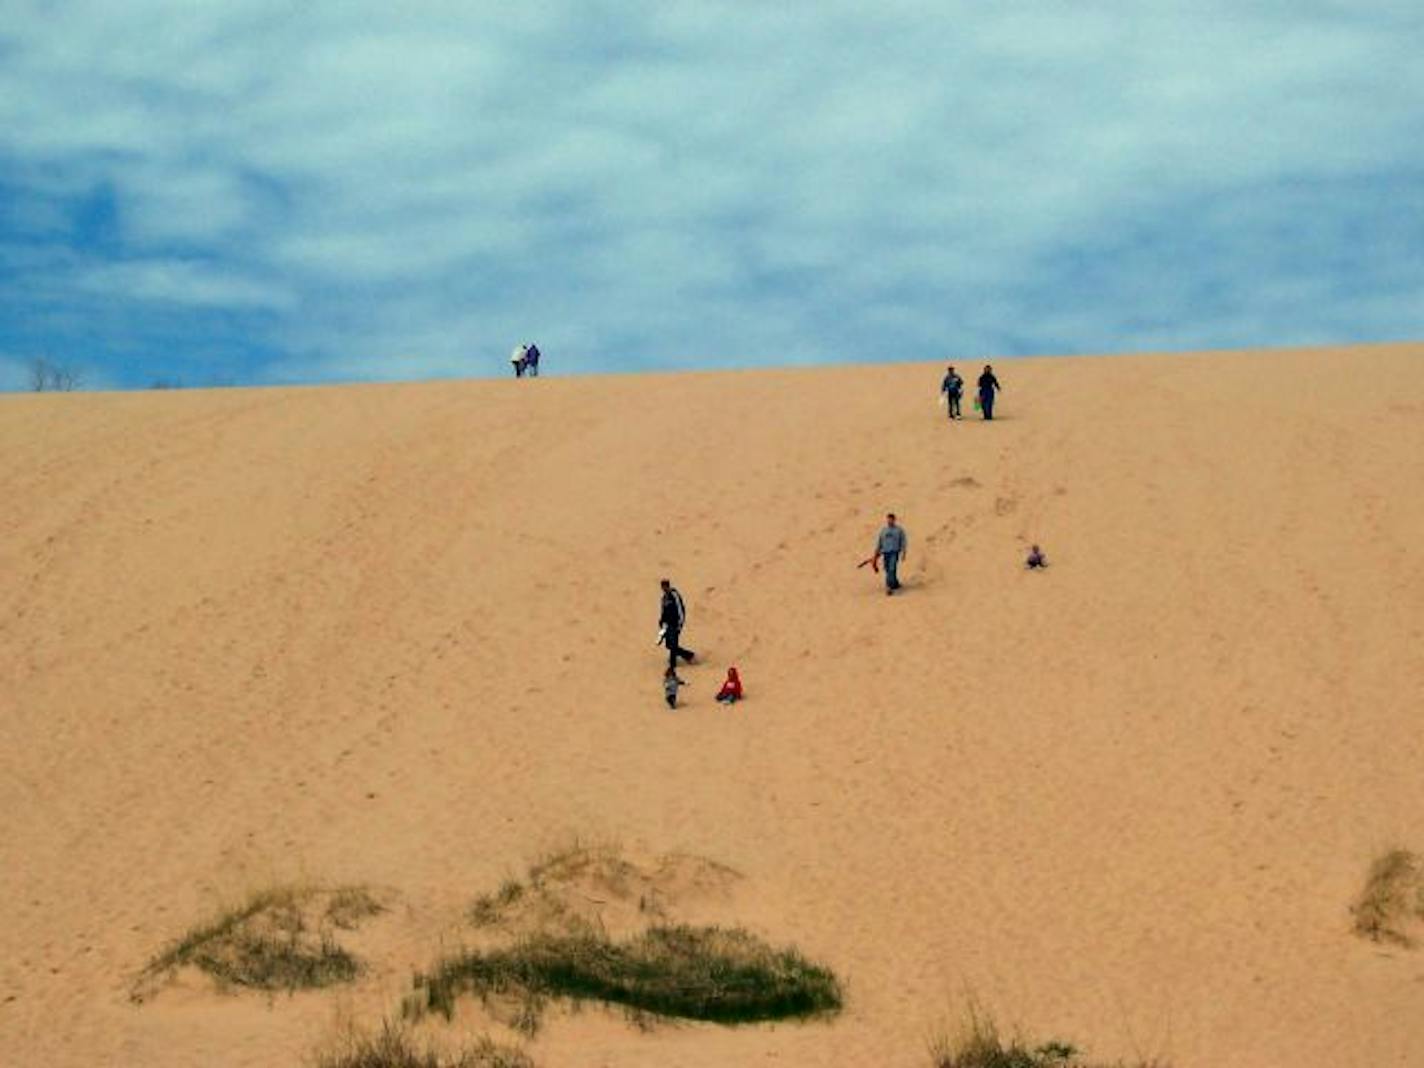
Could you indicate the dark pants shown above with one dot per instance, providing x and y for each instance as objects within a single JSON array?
[
  {"x": 519, "y": 370},
  {"x": 672, "y": 700},
  {"x": 891, "y": 561},
  {"x": 674, "y": 649},
  {"x": 954, "y": 405},
  {"x": 986, "y": 402}
]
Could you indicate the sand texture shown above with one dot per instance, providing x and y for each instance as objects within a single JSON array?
[{"x": 401, "y": 636}]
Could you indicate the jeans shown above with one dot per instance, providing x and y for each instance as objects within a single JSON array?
[
  {"x": 986, "y": 402},
  {"x": 891, "y": 562},
  {"x": 953, "y": 405},
  {"x": 674, "y": 649}
]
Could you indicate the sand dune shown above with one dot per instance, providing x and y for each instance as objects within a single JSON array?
[{"x": 401, "y": 635}]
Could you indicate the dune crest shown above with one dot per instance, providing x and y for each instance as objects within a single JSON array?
[{"x": 401, "y": 636}]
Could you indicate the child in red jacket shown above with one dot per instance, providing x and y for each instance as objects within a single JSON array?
[{"x": 731, "y": 691}]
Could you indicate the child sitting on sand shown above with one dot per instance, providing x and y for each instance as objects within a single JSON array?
[
  {"x": 731, "y": 691},
  {"x": 670, "y": 684},
  {"x": 1036, "y": 559}
]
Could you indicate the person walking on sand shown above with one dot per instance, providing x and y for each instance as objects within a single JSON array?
[
  {"x": 731, "y": 691},
  {"x": 988, "y": 385},
  {"x": 671, "y": 619},
  {"x": 670, "y": 686},
  {"x": 953, "y": 388},
  {"x": 517, "y": 359},
  {"x": 890, "y": 546},
  {"x": 531, "y": 360}
]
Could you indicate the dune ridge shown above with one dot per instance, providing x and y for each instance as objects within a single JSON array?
[{"x": 402, "y": 635}]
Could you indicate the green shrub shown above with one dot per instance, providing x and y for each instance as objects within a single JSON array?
[{"x": 726, "y": 976}]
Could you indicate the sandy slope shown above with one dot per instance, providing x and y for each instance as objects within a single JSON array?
[{"x": 403, "y": 635}]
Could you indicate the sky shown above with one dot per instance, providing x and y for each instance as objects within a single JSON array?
[{"x": 248, "y": 192}]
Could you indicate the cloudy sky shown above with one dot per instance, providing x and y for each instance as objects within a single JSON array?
[{"x": 254, "y": 191}]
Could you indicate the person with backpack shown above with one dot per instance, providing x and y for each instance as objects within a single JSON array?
[
  {"x": 672, "y": 617},
  {"x": 988, "y": 384},
  {"x": 953, "y": 388}
]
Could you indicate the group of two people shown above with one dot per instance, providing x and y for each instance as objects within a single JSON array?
[
  {"x": 953, "y": 389},
  {"x": 672, "y": 617},
  {"x": 525, "y": 359}
]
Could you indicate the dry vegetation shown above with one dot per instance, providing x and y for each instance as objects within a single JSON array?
[
  {"x": 590, "y": 923},
  {"x": 1391, "y": 905},
  {"x": 395, "y": 1047},
  {"x": 599, "y": 889},
  {"x": 278, "y": 939},
  {"x": 979, "y": 1045}
]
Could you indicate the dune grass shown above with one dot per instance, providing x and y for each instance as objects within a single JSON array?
[
  {"x": 488, "y": 908},
  {"x": 278, "y": 939},
  {"x": 726, "y": 976},
  {"x": 394, "y": 1047},
  {"x": 979, "y": 1045},
  {"x": 1392, "y": 899}
]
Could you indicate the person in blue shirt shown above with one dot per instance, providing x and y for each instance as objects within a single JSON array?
[{"x": 890, "y": 546}]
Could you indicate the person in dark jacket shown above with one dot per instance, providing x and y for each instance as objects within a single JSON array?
[
  {"x": 988, "y": 385},
  {"x": 531, "y": 360},
  {"x": 953, "y": 388},
  {"x": 671, "y": 619}
]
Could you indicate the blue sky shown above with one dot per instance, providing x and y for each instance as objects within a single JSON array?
[{"x": 252, "y": 191}]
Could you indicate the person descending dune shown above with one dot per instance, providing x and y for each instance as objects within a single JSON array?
[
  {"x": 890, "y": 546},
  {"x": 671, "y": 619},
  {"x": 671, "y": 683}
]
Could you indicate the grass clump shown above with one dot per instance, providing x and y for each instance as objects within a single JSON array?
[
  {"x": 489, "y": 908},
  {"x": 726, "y": 976},
  {"x": 597, "y": 889},
  {"x": 279, "y": 939},
  {"x": 1392, "y": 900},
  {"x": 979, "y": 1045},
  {"x": 393, "y": 1047}
]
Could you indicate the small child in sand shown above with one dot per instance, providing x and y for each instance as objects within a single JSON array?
[
  {"x": 731, "y": 691},
  {"x": 1036, "y": 559},
  {"x": 670, "y": 684}
]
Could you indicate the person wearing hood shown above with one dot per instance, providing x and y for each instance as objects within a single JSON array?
[
  {"x": 988, "y": 386},
  {"x": 731, "y": 691}
]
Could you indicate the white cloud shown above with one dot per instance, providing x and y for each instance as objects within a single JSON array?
[{"x": 178, "y": 282}]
